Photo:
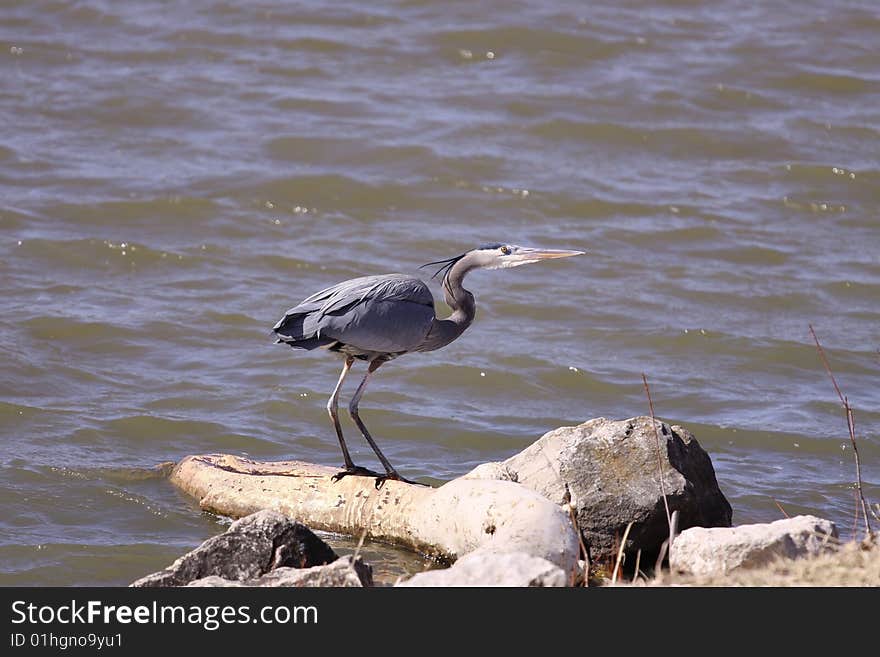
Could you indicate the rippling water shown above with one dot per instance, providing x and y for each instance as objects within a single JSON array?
[{"x": 172, "y": 178}]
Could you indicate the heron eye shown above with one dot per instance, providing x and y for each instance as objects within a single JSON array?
[{"x": 505, "y": 250}]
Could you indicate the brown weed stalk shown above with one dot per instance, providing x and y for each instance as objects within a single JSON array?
[
  {"x": 659, "y": 458},
  {"x": 850, "y": 423},
  {"x": 583, "y": 547},
  {"x": 619, "y": 561},
  {"x": 779, "y": 506}
]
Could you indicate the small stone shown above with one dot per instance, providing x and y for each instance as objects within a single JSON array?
[
  {"x": 344, "y": 572},
  {"x": 251, "y": 547},
  {"x": 719, "y": 550},
  {"x": 493, "y": 569}
]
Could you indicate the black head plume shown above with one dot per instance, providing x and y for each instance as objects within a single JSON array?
[{"x": 445, "y": 265}]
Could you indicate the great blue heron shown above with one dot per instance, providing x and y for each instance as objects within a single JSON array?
[{"x": 378, "y": 318}]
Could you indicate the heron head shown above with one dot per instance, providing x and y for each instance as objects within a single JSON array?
[{"x": 501, "y": 256}]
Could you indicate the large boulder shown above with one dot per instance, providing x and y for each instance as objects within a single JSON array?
[
  {"x": 251, "y": 547},
  {"x": 718, "y": 551},
  {"x": 493, "y": 569},
  {"x": 607, "y": 470},
  {"x": 346, "y": 571}
]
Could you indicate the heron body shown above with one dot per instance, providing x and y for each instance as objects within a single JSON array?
[
  {"x": 369, "y": 318},
  {"x": 378, "y": 318}
]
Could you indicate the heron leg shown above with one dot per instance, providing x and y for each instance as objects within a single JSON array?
[
  {"x": 390, "y": 472},
  {"x": 332, "y": 409}
]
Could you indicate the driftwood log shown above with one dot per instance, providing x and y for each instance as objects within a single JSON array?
[{"x": 463, "y": 516}]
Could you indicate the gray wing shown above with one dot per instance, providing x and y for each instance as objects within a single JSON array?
[{"x": 391, "y": 313}]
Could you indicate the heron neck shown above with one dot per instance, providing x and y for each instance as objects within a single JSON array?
[
  {"x": 463, "y": 307},
  {"x": 460, "y": 300}
]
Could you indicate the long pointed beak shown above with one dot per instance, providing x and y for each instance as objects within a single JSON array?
[{"x": 547, "y": 254}]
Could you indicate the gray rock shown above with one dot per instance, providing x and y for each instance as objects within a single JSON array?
[
  {"x": 344, "y": 572},
  {"x": 251, "y": 547},
  {"x": 608, "y": 471},
  {"x": 717, "y": 551},
  {"x": 493, "y": 569}
]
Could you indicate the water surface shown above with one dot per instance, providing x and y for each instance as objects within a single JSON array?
[{"x": 172, "y": 178}]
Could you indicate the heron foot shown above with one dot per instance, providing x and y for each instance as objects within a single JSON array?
[
  {"x": 395, "y": 476},
  {"x": 355, "y": 471}
]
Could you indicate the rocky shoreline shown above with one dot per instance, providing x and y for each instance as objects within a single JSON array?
[{"x": 589, "y": 504}]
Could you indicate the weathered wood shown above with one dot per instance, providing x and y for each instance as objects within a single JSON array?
[{"x": 458, "y": 518}]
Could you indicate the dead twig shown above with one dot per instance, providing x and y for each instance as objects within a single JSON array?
[
  {"x": 850, "y": 423},
  {"x": 659, "y": 459},
  {"x": 779, "y": 506},
  {"x": 580, "y": 540},
  {"x": 360, "y": 544},
  {"x": 666, "y": 544},
  {"x": 620, "y": 554}
]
